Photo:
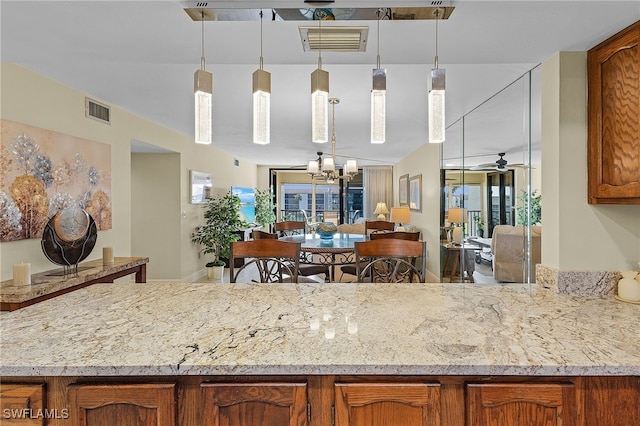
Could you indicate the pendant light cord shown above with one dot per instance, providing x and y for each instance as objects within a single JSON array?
[
  {"x": 202, "y": 61},
  {"x": 319, "y": 43},
  {"x": 379, "y": 13},
  {"x": 437, "y": 19},
  {"x": 261, "y": 64}
]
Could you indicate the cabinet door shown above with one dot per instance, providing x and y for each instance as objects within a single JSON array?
[
  {"x": 22, "y": 404},
  {"x": 381, "y": 404},
  {"x": 521, "y": 404},
  {"x": 614, "y": 119},
  {"x": 125, "y": 404},
  {"x": 254, "y": 404}
]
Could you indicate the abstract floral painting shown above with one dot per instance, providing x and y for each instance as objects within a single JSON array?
[{"x": 42, "y": 172}]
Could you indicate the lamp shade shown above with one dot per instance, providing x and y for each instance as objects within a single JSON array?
[
  {"x": 400, "y": 215},
  {"x": 457, "y": 215},
  {"x": 381, "y": 210}
]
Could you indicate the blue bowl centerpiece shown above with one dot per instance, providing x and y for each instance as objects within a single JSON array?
[{"x": 326, "y": 230}]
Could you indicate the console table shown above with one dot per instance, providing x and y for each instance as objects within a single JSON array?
[{"x": 49, "y": 284}]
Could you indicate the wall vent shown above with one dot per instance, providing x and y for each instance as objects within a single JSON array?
[{"x": 97, "y": 111}]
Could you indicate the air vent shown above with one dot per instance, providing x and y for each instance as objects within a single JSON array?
[
  {"x": 97, "y": 111},
  {"x": 334, "y": 39}
]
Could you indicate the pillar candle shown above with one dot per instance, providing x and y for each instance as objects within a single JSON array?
[
  {"x": 107, "y": 255},
  {"x": 22, "y": 273}
]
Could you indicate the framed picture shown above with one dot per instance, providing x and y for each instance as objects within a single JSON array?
[
  {"x": 403, "y": 190},
  {"x": 415, "y": 193},
  {"x": 199, "y": 187}
]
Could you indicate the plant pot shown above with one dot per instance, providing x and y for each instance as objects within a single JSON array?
[{"x": 215, "y": 273}]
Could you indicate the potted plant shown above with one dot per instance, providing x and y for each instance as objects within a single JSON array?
[
  {"x": 222, "y": 220},
  {"x": 479, "y": 225},
  {"x": 536, "y": 209},
  {"x": 265, "y": 215}
]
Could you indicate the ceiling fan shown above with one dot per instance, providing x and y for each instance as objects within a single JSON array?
[{"x": 500, "y": 164}]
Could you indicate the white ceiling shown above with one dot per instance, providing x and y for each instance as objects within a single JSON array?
[{"x": 141, "y": 56}]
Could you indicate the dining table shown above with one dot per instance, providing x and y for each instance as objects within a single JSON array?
[{"x": 339, "y": 250}]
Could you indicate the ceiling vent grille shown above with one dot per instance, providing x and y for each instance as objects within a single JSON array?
[
  {"x": 97, "y": 111},
  {"x": 334, "y": 39}
]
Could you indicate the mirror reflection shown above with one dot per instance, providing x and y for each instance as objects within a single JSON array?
[{"x": 490, "y": 189}]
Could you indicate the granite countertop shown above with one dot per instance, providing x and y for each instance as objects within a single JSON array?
[
  {"x": 48, "y": 282},
  {"x": 218, "y": 329}
]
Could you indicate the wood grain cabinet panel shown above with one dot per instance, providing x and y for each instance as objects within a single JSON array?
[
  {"x": 126, "y": 404},
  {"x": 23, "y": 404},
  {"x": 614, "y": 119},
  {"x": 612, "y": 401},
  {"x": 521, "y": 404},
  {"x": 254, "y": 404},
  {"x": 381, "y": 404}
]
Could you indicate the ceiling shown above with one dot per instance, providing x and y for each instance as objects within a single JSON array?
[{"x": 141, "y": 56}]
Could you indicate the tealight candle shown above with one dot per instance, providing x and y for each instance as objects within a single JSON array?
[
  {"x": 22, "y": 273},
  {"x": 107, "y": 255}
]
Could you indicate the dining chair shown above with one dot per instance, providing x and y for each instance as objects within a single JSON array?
[
  {"x": 401, "y": 235},
  {"x": 390, "y": 261},
  {"x": 378, "y": 225},
  {"x": 257, "y": 234},
  {"x": 292, "y": 227},
  {"x": 265, "y": 261}
]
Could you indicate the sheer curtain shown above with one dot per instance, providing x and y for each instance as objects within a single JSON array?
[{"x": 378, "y": 186}]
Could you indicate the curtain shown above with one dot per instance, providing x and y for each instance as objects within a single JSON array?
[{"x": 378, "y": 186}]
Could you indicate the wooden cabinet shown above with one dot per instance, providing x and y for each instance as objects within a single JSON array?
[
  {"x": 380, "y": 404},
  {"x": 122, "y": 404},
  {"x": 22, "y": 404},
  {"x": 522, "y": 404},
  {"x": 326, "y": 400},
  {"x": 254, "y": 404},
  {"x": 614, "y": 119}
]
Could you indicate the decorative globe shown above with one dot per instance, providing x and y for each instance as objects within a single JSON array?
[{"x": 326, "y": 230}]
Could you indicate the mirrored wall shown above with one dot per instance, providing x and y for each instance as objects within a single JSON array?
[{"x": 491, "y": 188}]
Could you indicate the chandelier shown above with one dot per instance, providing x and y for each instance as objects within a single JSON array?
[{"x": 325, "y": 168}]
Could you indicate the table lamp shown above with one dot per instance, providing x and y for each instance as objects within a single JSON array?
[
  {"x": 381, "y": 210},
  {"x": 457, "y": 216},
  {"x": 400, "y": 215}
]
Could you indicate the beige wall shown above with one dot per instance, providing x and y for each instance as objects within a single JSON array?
[
  {"x": 426, "y": 161},
  {"x": 577, "y": 236},
  {"x": 155, "y": 212},
  {"x": 30, "y": 98}
]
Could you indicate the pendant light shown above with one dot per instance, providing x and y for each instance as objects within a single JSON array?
[
  {"x": 261, "y": 101},
  {"x": 203, "y": 93},
  {"x": 320, "y": 98},
  {"x": 436, "y": 97},
  {"x": 378, "y": 96}
]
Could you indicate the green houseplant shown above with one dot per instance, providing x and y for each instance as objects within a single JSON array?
[
  {"x": 265, "y": 215},
  {"x": 536, "y": 209},
  {"x": 222, "y": 220},
  {"x": 479, "y": 225}
]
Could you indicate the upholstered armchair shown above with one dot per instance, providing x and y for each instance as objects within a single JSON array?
[{"x": 508, "y": 247}]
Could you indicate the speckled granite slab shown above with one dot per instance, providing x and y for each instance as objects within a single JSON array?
[
  {"x": 439, "y": 329},
  {"x": 46, "y": 282},
  {"x": 578, "y": 282}
]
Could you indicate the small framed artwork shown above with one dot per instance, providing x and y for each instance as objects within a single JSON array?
[
  {"x": 415, "y": 193},
  {"x": 200, "y": 184},
  {"x": 403, "y": 190}
]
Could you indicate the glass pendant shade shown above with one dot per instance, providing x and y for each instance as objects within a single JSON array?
[
  {"x": 328, "y": 165},
  {"x": 261, "y": 107},
  {"x": 436, "y": 106},
  {"x": 203, "y": 89},
  {"x": 378, "y": 106},
  {"x": 313, "y": 167},
  {"x": 319, "y": 106},
  {"x": 351, "y": 167}
]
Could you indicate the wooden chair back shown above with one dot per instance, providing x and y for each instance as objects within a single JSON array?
[
  {"x": 266, "y": 260},
  {"x": 390, "y": 261},
  {"x": 290, "y": 227},
  {"x": 398, "y": 235},
  {"x": 257, "y": 234},
  {"x": 378, "y": 225}
]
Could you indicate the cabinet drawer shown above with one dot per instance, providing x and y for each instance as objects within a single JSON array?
[{"x": 22, "y": 404}]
